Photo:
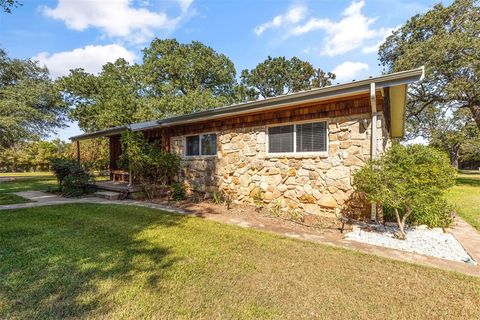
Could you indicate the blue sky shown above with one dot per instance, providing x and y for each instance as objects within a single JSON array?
[{"x": 339, "y": 36}]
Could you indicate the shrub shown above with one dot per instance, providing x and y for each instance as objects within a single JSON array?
[
  {"x": 72, "y": 178},
  {"x": 410, "y": 181},
  {"x": 62, "y": 168},
  {"x": 178, "y": 191},
  {"x": 152, "y": 166}
]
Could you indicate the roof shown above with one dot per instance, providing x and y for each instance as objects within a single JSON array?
[{"x": 397, "y": 79}]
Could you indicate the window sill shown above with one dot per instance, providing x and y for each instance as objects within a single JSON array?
[
  {"x": 187, "y": 158},
  {"x": 304, "y": 155}
]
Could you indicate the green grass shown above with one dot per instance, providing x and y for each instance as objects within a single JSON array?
[
  {"x": 113, "y": 262},
  {"x": 8, "y": 198},
  {"x": 465, "y": 196},
  {"x": 27, "y": 182}
]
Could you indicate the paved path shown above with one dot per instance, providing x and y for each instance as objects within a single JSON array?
[{"x": 465, "y": 234}]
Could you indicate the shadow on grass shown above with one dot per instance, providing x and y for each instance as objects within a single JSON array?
[
  {"x": 468, "y": 181},
  {"x": 70, "y": 261}
]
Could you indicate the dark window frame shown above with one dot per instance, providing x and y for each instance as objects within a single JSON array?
[{"x": 199, "y": 138}]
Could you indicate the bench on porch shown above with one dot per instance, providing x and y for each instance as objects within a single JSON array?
[{"x": 120, "y": 176}]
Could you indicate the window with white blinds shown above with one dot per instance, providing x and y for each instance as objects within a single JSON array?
[
  {"x": 298, "y": 138},
  {"x": 312, "y": 137}
]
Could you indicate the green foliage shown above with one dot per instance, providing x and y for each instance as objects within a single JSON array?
[
  {"x": 116, "y": 96},
  {"x": 75, "y": 184},
  {"x": 446, "y": 40},
  {"x": 62, "y": 168},
  {"x": 178, "y": 191},
  {"x": 72, "y": 178},
  {"x": 148, "y": 163},
  {"x": 411, "y": 181},
  {"x": 174, "y": 79},
  {"x": 217, "y": 198},
  {"x": 7, "y": 5},
  {"x": 277, "y": 76},
  {"x": 30, "y": 103},
  {"x": 31, "y": 156},
  {"x": 258, "y": 199}
]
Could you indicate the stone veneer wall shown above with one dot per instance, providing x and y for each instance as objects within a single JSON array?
[{"x": 318, "y": 185}]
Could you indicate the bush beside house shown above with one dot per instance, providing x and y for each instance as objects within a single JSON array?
[
  {"x": 72, "y": 178},
  {"x": 153, "y": 167},
  {"x": 410, "y": 182}
]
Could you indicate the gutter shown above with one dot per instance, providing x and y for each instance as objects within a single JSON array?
[{"x": 373, "y": 140}]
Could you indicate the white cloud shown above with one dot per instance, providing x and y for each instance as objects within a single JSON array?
[
  {"x": 344, "y": 35},
  {"x": 348, "y": 70},
  {"x": 115, "y": 18},
  {"x": 91, "y": 58},
  {"x": 291, "y": 17},
  {"x": 374, "y": 48}
]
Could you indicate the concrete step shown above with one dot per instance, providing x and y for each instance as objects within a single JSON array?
[{"x": 109, "y": 195}]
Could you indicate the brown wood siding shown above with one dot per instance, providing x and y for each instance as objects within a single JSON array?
[
  {"x": 115, "y": 151},
  {"x": 337, "y": 108}
]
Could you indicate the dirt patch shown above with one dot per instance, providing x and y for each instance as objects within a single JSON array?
[{"x": 250, "y": 216}]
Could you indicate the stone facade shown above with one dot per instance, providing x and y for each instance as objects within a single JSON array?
[{"x": 315, "y": 184}]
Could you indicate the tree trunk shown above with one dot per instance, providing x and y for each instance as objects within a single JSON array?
[
  {"x": 476, "y": 114},
  {"x": 454, "y": 155},
  {"x": 401, "y": 222},
  {"x": 401, "y": 226}
]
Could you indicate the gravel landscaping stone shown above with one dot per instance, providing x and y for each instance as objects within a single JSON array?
[{"x": 430, "y": 242}]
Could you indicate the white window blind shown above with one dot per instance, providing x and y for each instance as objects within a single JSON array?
[
  {"x": 312, "y": 137},
  {"x": 298, "y": 138}
]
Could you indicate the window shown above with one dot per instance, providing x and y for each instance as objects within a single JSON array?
[
  {"x": 280, "y": 139},
  {"x": 312, "y": 137},
  {"x": 201, "y": 145},
  {"x": 298, "y": 138}
]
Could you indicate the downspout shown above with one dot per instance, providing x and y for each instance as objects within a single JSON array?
[{"x": 373, "y": 142}]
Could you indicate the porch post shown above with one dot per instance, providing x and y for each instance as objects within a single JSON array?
[
  {"x": 373, "y": 142},
  {"x": 78, "y": 151}
]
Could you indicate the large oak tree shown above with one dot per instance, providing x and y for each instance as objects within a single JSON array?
[{"x": 30, "y": 104}]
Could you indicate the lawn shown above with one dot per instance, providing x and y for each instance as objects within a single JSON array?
[
  {"x": 8, "y": 198},
  {"x": 27, "y": 181},
  {"x": 113, "y": 262},
  {"x": 466, "y": 197}
]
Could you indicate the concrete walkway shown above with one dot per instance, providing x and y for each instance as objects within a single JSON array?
[{"x": 465, "y": 234}]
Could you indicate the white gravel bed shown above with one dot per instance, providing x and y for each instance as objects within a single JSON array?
[{"x": 430, "y": 242}]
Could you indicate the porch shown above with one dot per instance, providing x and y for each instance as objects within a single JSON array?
[{"x": 118, "y": 186}]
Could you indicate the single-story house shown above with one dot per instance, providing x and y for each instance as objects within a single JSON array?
[{"x": 298, "y": 151}]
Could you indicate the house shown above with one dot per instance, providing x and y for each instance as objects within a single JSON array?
[{"x": 297, "y": 151}]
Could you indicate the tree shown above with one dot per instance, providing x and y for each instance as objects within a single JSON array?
[
  {"x": 30, "y": 104},
  {"x": 174, "y": 79},
  {"x": 411, "y": 181},
  {"x": 184, "y": 78},
  {"x": 114, "y": 97},
  {"x": 277, "y": 76},
  {"x": 447, "y": 41},
  {"x": 7, "y": 5},
  {"x": 452, "y": 133}
]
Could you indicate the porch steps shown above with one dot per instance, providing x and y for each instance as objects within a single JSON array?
[{"x": 109, "y": 195}]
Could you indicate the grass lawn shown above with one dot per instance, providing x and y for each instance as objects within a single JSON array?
[
  {"x": 24, "y": 181},
  {"x": 466, "y": 197},
  {"x": 27, "y": 181},
  {"x": 8, "y": 198},
  {"x": 113, "y": 262}
]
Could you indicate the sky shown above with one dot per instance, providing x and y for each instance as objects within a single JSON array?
[{"x": 338, "y": 36}]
